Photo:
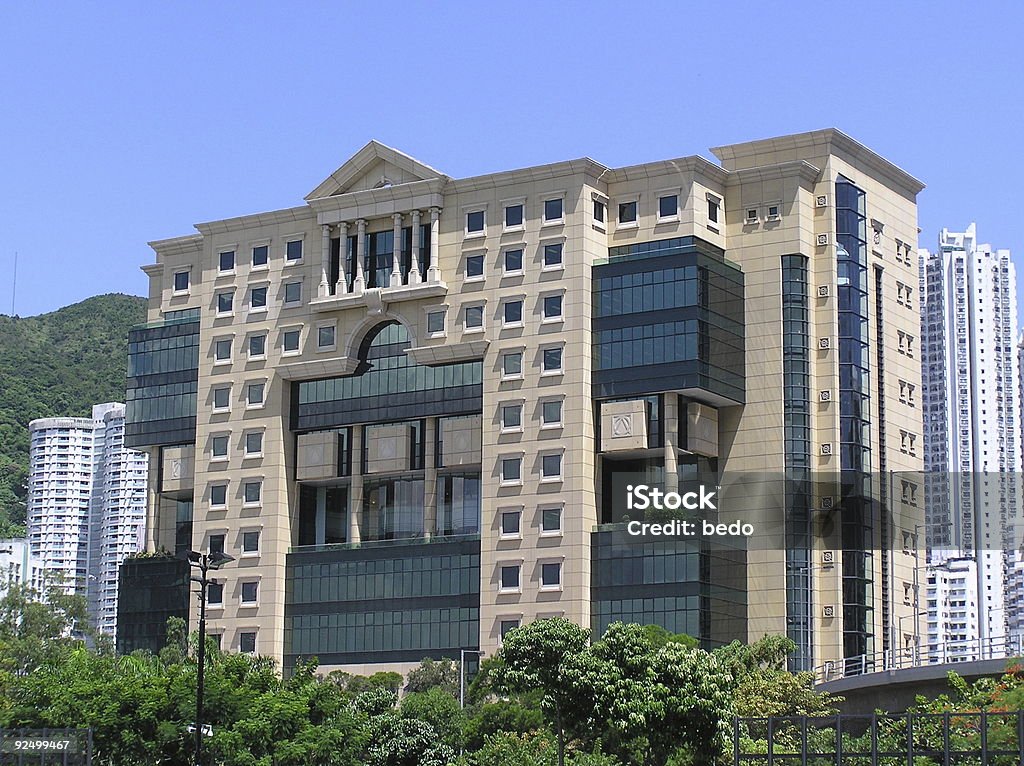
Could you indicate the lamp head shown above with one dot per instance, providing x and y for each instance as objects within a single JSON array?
[{"x": 218, "y": 559}]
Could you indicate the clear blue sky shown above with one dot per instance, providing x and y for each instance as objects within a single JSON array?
[{"x": 123, "y": 123}]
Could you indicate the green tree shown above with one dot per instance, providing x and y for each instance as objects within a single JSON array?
[
  {"x": 437, "y": 707},
  {"x": 431, "y": 673},
  {"x": 37, "y": 628}
]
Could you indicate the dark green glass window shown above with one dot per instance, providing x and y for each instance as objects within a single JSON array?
[
  {"x": 215, "y": 593},
  {"x": 512, "y": 312},
  {"x": 258, "y": 297},
  {"x": 227, "y": 260},
  {"x": 257, "y": 345},
  {"x": 293, "y": 292},
  {"x": 180, "y": 281},
  {"x": 260, "y": 254},
  {"x": 250, "y": 542},
  {"x": 552, "y": 306},
  {"x": 216, "y": 543},
  {"x": 512, "y": 364},
  {"x": 513, "y": 260},
  {"x": 553, "y": 209},
  {"x": 668, "y": 206},
  {"x": 219, "y": 494},
  {"x": 551, "y": 412},
  {"x": 247, "y": 642},
  {"x": 552, "y": 359},
  {"x": 598, "y": 211},
  {"x": 474, "y": 265},
  {"x": 551, "y": 575},
  {"x": 627, "y": 212},
  {"x": 551, "y": 520},
  {"x": 510, "y": 521},
  {"x": 553, "y": 255},
  {"x": 507, "y": 625},
  {"x": 293, "y": 250},
  {"x": 252, "y": 491},
  {"x": 514, "y": 215},
  {"x": 475, "y": 221},
  {"x": 510, "y": 577},
  {"x": 435, "y": 321},
  {"x": 225, "y": 302}
]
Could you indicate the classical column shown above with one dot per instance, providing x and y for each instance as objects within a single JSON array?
[
  {"x": 429, "y": 479},
  {"x": 355, "y": 492},
  {"x": 342, "y": 286},
  {"x": 325, "y": 260},
  {"x": 360, "y": 282},
  {"x": 416, "y": 243},
  {"x": 434, "y": 272},
  {"x": 396, "y": 252}
]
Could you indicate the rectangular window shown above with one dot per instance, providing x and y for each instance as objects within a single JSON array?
[
  {"x": 250, "y": 592},
  {"x": 553, "y": 209},
  {"x": 254, "y": 394},
  {"x": 553, "y": 255},
  {"x": 252, "y": 492},
  {"x": 292, "y": 292},
  {"x": 219, "y": 446},
  {"x": 218, "y": 495},
  {"x": 511, "y": 417},
  {"x": 553, "y": 307},
  {"x": 227, "y": 261},
  {"x": 216, "y": 543},
  {"x": 435, "y": 322},
  {"x": 180, "y": 281},
  {"x": 257, "y": 346},
  {"x": 512, "y": 313},
  {"x": 551, "y": 575},
  {"x": 511, "y": 470},
  {"x": 290, "y": 341},
  {"x": 222, "y": 397},
  {"x": 773, "y": 212},
  {"x": 598, "y": 211},
  {"x": 751, "y": 216},
  {"x": 510, "y": 521},
  {"x": 513, "y": 216},
  {"x": 258, "y": 298},
  {"x": 627, "y": 212},
  {"x": 225, "y": 302},
  {"x": 325, "y": 336},
  {"x": 474, "y": 317},
  {"x": 247, "y": 643},
  {"x": 474, "y": 266},
  {"x": 668, "y": 206},
  {"x": 254, "y": 443},
  {"x": 506, "y": 626},
  {"x": 475, "y": 222},
  {"x": 222, "y": 351},
  {"x": 293, "y": 250},
  {"x": 551, "y": 466},
  {"x": 551, "y": 412},
  {"x": 512, "y": 364},
  {"x": 215, "y": 593},
  {"x": 551, "y": 520},
  {"x": 260, "y": 255},
  {"x": 250, "y": 542},
  {"x": 513, "y": 261},
  {"x": 552, "y": 359},
  {"x": 712, "y": 211},
  {"x": 510, "y": 577}
]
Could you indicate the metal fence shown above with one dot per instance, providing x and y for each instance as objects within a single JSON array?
[
  {"x": 911, "y": 739},
  {"x": 45, "y": 747}
]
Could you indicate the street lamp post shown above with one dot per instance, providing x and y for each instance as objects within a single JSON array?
[{"x": 204, "y": 562}]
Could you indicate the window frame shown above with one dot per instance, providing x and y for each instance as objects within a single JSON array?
[
  {"x": 428, "y": 312},
  {"x": 635, "y": 221},
  {"x": 249, "y": 482},
  {"x": 475, "y": 233},
  {"x": 243, "y": 551},
  {"x": 506, "y": 428},
  {"x": 253, "y": 247},
  {"x": 556, "y": 532},
  {"x": 474, "y": 254},
  {"x": 285, "y": 332},
  {"x": 287, "y": 302},
  {"x": 333, "y": 345},
  {"x": 544, "y": 265},
  {"x": 544, "y": 563},
  {"x": 509, "y": 565},
  {"x": 249, "y": 404},
  {"x": 521, "y": 353},
  {"x": 248, "y": 346},
  {"x": 255, "y": 638},
  {"x": 255, "y": 602},
  {"x": 546, "y": 478},
  {"x": 510, "y": 301},
  {"x": 672, "y": 217},
  {"x": 555, "y": 318},
  {"x": 175, "y": 290},
  {"x": 519, "y": 202},
  {"x": 290, "y": 240},
  {"x": 216, "y": 438},
  {"x": 558, "y": 197},
  {"x": 217, "y": 358},
  {"x": 216, "y": 389},
  {"x": 508, "y": 457},
  {"x": 219, "y": 297},
  {"x": 510, "y": 512},
  {"x": 468, "y": 328},
  {"x": 231, "y": 250},
  {"x": 561, "y": 359},
  {"x": 264, "y": 288},
  {"x": 219, "y": 485},
  {"x": 516, "y": 248},
  {"x": 246, "y": 452},
  {"x": 552, "y": 424}
]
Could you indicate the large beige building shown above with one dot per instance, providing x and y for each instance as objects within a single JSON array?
[{"x": 410, "y": 406}]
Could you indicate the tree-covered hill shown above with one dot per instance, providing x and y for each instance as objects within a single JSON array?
[{"x": 57, "y": 365}]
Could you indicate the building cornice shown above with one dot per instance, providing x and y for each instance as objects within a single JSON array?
[
  {"x": 177, "y": 245},
  {"x": 800, "y": 168},
  {"x": 386, "y": 200},
  {"x": 270, "y": 218},
  {"x": 448, "y": 353},
  {"x": 594, "y": 171},
  {"x": 692, "y": 164}
]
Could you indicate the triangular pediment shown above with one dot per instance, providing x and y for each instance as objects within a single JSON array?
[{"x": 372, "y": 167}]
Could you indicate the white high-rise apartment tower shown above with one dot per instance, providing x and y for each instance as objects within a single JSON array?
[
  {"x": 972, "y": 426},
  {"x": 86, "y": 508}
]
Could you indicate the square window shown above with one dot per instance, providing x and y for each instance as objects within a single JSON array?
[
  {"x": 512, "y": 313},
  {"x": 773, "y": 212},
  {"x": 551, "y": 520},
  {"x": 227, "y": 261},
  {"x": 551, "y": 412},
  {"x": 627, "y": 212},
  {"x": 293, "y": 250},
  {"x": 222, "y": 350},
  {"x": 219, "y": 494},
  {"x": 751, "y": 216},
  {"x": 510, "y": 577},
  {"x": 250, "y": 542},
  {"x": 290, "y": 340},
  {"x": 215, "y": 593},
  {"x": 292, "y": 292},
  {"x": 512, "y": 364},
  {"x": 435, "y": 322},
  {"x": 257, "y": 346},
  {"x": 553, "y": 209},
  {"x": 219, "y": 446},
  {"x": 474, "y": 266},
  {"x": 668, "y": 206},
  {"x": 553, "y": 255},
  {"x": 551, "y": 575},
  {"x": 551, "y": 466},
  {"x": 513, "y": 215},
  {"x": 216, "y": 543},
  {"x": 225, "y": 303},
  {"x": 475, "y": 222},
  {"x": 511, "y": 417},
  {"x": 252, "y": 491},
  {"x": 180, "y": 281},
  {"x": 247, "y": 643},
  {"x": 250, "y": 591},
  {"x": 552, "y": 306},
  {"x": 474, "y": 316},
  {"x": 510, "y": 523},
  {"x": 712, "y": 211},
  {"x": 254, "y": 443},
  {"x": 254, "y": 394},
  {"x": 553, "y": 359},
  {"x": 513, "y": 261},
  {"x": 598, "y": 211},
  {"x": 222, "y": 397},
  {"x": 511, "y": 469},
  {"x": 260, "y": 255},
  {"x": 258, "y": 298},
  {"x": 325, "y": 336},
  {"x": 507, "y": 625}
]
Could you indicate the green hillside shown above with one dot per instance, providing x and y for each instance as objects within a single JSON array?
[{"x": 57, "y": 364}]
